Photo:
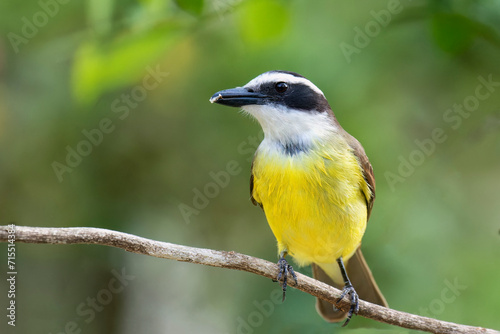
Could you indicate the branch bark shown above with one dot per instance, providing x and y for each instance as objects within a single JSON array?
[{"x": 229, "y": 260}]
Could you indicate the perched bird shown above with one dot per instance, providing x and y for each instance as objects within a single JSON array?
[{"x": 314, "y": 182}]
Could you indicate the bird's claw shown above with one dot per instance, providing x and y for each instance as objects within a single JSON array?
[
  {"x": 283, "y": 270},
  {"x": 353, "y": 298}
]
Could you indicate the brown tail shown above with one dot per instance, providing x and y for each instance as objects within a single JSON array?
[{"x": 361, "y": 278}]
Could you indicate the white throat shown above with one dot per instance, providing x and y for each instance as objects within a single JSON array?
[{"x": 287, "y": 126}]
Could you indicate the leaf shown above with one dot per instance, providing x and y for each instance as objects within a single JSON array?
[
  {"x": 99, "y": 68},
  {"x": 263, "y": 21},
  {"x": 194, "y": 7},
  {"x": 453, "y": 32}
]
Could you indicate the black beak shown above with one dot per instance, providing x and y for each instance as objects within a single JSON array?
[{"x": 237, "y": 97}]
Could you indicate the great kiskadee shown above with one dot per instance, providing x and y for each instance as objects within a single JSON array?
[{"x": 314, "y": 182}]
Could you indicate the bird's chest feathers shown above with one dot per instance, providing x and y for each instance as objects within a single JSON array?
[{"x": 290, "y": 177}]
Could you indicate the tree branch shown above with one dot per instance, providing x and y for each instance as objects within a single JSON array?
[{"x": 230, "y": 260}]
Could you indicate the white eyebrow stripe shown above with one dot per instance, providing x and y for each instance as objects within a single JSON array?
[{"x": 278, "y": 76}]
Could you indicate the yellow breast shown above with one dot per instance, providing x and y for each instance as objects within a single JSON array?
[{"x": 314, "y": 201}]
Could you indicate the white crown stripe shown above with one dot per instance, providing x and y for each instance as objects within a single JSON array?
[{"x": 285, "y": 77}]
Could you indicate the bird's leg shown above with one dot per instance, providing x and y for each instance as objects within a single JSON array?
[
  {"x": 349, "y": 291},
  {"x": 283, "y": 270}
]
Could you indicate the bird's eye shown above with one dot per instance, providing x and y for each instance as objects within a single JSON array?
[{"x": 281, "y": 87}]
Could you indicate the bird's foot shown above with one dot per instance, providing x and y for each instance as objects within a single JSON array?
[
  {"x": 354, "y": 299},
  {"x": 283, "y": 270}
]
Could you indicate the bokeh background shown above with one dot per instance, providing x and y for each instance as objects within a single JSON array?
[{"x": 397, "y": 74}]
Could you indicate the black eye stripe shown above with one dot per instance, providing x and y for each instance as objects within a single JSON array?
[
  {"x": 298, "y": 96},
  {"x": 303, "y": 97}
]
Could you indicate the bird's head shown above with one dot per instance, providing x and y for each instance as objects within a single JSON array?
[{"x": 287, "y": 105}]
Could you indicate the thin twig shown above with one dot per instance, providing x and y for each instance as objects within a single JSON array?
[{"x": 230, "y": 260}]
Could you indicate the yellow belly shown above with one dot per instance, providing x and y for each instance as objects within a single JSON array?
[{"x": 314, "y": 203}]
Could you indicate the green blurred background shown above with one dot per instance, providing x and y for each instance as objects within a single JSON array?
[{"x": 391, "y": 71}]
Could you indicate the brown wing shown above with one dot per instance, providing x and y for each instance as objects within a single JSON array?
[
  {"x": 251, "y": 189},
  {"x": 359, "y": 152}
]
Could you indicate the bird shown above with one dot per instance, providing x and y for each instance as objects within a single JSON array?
[{"x": 315, "y": 184}]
